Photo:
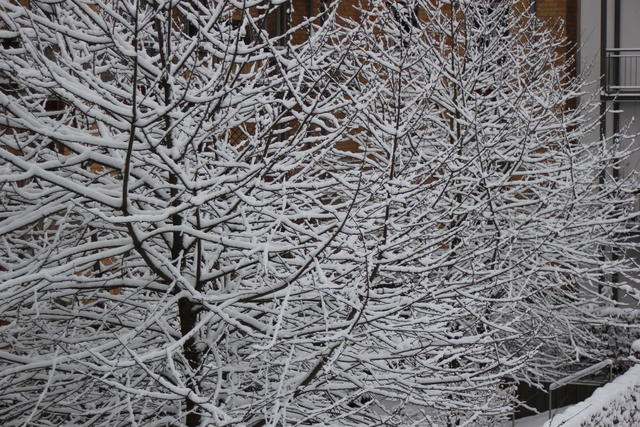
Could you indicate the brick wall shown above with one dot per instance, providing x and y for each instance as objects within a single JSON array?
[
  {"x": 562, "y": 16},
  {"x": 566, "y": 10},
  {"x": 559, "y": 15},
  {"x": 548, "y": 10},
  {"x": 302, "y": 9}
]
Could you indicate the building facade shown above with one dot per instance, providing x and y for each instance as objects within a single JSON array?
[{"x": 609, "y": 59}]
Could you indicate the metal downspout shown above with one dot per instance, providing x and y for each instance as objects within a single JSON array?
[{"x": 616, "y": 117}]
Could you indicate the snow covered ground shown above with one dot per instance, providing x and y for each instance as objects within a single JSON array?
[
  {"x": 533, "y": 420},
  {"x": 615, "y": 403}
]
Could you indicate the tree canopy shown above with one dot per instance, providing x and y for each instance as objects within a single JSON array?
[{"x": 208, "y": 219}]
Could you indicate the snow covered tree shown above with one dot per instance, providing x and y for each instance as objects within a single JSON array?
[
  {"x": 167, "y": 245},
  {"x": 490, "y": 212},
  {"x": 205, "y": 223}
]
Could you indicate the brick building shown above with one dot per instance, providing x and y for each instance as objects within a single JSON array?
[{"x": 295, "y": 12}]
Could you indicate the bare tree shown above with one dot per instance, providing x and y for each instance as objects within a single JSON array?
[
  {"x": 164, "y": 231},
  {"x": 206, "y": 223},
  {"x": 490, "y": 212}
]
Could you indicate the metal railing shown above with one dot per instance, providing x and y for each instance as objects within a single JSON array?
[
  {"x": 577, "y": 376},
  {"x": 622, "y": 72}
]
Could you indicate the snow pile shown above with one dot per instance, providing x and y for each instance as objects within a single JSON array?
[{"x": 616, "y": 403}]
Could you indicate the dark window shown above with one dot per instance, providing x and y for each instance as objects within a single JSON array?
[
  {"x": 404, "y": 15},
  {"x": 246, "y": 32},
  {"x": 489, "y": 23}
]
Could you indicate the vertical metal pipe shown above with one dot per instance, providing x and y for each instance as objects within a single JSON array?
[
  {"x": 603, "y": 94},
  {"x": 616, "y": 116},
  {"x": 611, "y": 372},
  {"x": 549, "y": 393},
  {"x": 616, "y": 45},
  {"x": 603, "y": 66},
  {"x": 616, "y": 69}
]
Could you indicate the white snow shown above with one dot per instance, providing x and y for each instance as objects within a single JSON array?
[{"x": 609, "y": 401}]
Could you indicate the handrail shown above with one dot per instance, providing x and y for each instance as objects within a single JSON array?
[{"x": 578, "y": 375}]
